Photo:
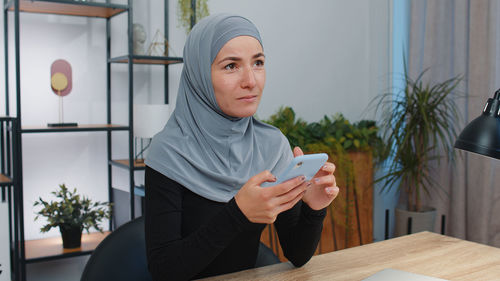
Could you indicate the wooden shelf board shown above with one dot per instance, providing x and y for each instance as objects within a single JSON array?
[
  {"x": 148, "y": 60},
  {"x": 68, "y": 7},
  {"x": 5, "y": 179},
  {"x": 80, "y": 127},
  {"x": 52, "y": 247},
  {"x": 125, "y": 162}
]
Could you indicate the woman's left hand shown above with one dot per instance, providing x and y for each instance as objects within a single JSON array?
[{"x": 323, "y": 188}]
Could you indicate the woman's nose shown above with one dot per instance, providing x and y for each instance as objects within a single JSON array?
[{"x": 248, "y": 78}]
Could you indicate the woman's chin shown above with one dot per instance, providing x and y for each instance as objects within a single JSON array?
[
  {"x": 243, "y": 115},
  {"x": 243, "y": 112}
]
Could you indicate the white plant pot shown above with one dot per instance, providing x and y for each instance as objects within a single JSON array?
[{"x": 420, "y": 221}]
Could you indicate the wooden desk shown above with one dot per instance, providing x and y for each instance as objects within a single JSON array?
[{"x": 423, "y": 253}]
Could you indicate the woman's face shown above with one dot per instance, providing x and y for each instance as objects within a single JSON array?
[{"x": 238, "y": 76}]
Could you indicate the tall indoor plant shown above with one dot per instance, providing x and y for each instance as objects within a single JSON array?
[
  {"x": 420, "y": 125},
  {"x": 72, "y": 213}
]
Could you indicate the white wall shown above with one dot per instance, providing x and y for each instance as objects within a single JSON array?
[{"x": 322, "y": 57}]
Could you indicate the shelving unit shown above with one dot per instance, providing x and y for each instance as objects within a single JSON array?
[
  {"x": 131, "y": 60},
  {"x": 51, "y": 248},
  {"x": 32, "y": 251}
]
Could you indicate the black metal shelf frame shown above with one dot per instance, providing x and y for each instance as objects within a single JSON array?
[
  {"x": 86, "y": 9},
  {"x": 72, "y": 8},
  {"x": 131, "y": 60},
  {"x": 105, "y": 11}
]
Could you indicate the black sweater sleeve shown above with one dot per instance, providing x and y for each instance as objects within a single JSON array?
[
  {"x": 182, "y": 244},
  {"x": 299, "y": 231},
  {"x": 171, "y": 256}
]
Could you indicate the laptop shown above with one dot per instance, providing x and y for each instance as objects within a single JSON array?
[{"x": 390, "y": 274}]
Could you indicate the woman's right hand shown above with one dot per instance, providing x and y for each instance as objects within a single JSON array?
[{"x": 264, "y": 204}]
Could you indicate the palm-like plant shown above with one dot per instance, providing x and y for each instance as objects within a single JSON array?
[{"x": 417, "y": 124}]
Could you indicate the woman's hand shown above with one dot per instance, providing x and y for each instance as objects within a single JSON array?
[
  {"x": 323, "y": 188},
  {"x": 263, "y": 204}
]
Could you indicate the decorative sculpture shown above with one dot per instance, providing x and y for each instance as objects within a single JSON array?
[
  {"x": 159, "y": 45},
  {"x": 139, "y": 35},
  {"x": 61, "y": 82}
]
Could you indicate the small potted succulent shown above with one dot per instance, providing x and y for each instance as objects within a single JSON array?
[{"x": 72, "y": 213}]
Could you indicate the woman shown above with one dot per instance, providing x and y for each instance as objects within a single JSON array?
[{"x": 205, "y": 209}]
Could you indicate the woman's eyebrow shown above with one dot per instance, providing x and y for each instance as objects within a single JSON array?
[
  {"x": 229, "y": 58},
  {"x": 258, "y": 55}
]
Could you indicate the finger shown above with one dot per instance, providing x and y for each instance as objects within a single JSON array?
[
  {"x": 328, "y": 167},
  {"x": 290, "y": 204},
  {"x": 286, "y": 186},
  {"x": 289, "y": 196},
  {"x": 325, "y": 180},
  {"x": 332, "y": 191},
  {"x": 262, "y": 177},
  {"x": 297, "y": 151}
]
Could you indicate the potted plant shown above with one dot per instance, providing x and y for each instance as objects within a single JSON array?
[
  {"x": 185, "y": 12},
  {"x": 420, "y": 126},
  {"x": 72, "y": 213}
]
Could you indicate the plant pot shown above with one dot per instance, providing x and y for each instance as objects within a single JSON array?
[
  {"x": 420, "y": 221},
  {"x": 71, "y": 236}
]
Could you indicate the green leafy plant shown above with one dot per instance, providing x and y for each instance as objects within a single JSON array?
[
  {"x": 185, "y": 12},
  {"x": 419, "y": 124},
  {"x": 336, "y": 132},
  {"x": 72, "y": 211},
  {"x": 335, "y": 136}
]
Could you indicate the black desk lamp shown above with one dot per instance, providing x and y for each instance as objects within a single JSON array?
[{"x": 482, "y": 135}]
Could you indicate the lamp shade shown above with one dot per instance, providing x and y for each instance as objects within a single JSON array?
[
  {"x": 482, "y": 135},
  {"x": 149, "y": 119}
]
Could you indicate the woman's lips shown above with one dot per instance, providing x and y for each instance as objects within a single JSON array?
[{"x": 248, "y": 98}]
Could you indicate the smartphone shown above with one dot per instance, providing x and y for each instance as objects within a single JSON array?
[{"x": 304, "y": 165}]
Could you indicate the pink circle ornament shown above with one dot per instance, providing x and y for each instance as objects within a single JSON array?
[{"x": 60, "y": 71}]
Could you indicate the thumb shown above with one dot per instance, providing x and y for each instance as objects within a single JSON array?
[
  {"x": 262, "y": 177},
  {"x": 297, "y": 151}
]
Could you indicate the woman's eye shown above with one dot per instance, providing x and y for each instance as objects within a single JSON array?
[
  {"x": 230, "y": 66},
  {"x": 259, "y": 63}
]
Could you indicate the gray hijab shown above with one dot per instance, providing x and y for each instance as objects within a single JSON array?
[{"x": 202, "y": 148}]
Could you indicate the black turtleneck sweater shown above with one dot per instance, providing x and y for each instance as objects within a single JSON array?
[{"x": 189, "y": 236}]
